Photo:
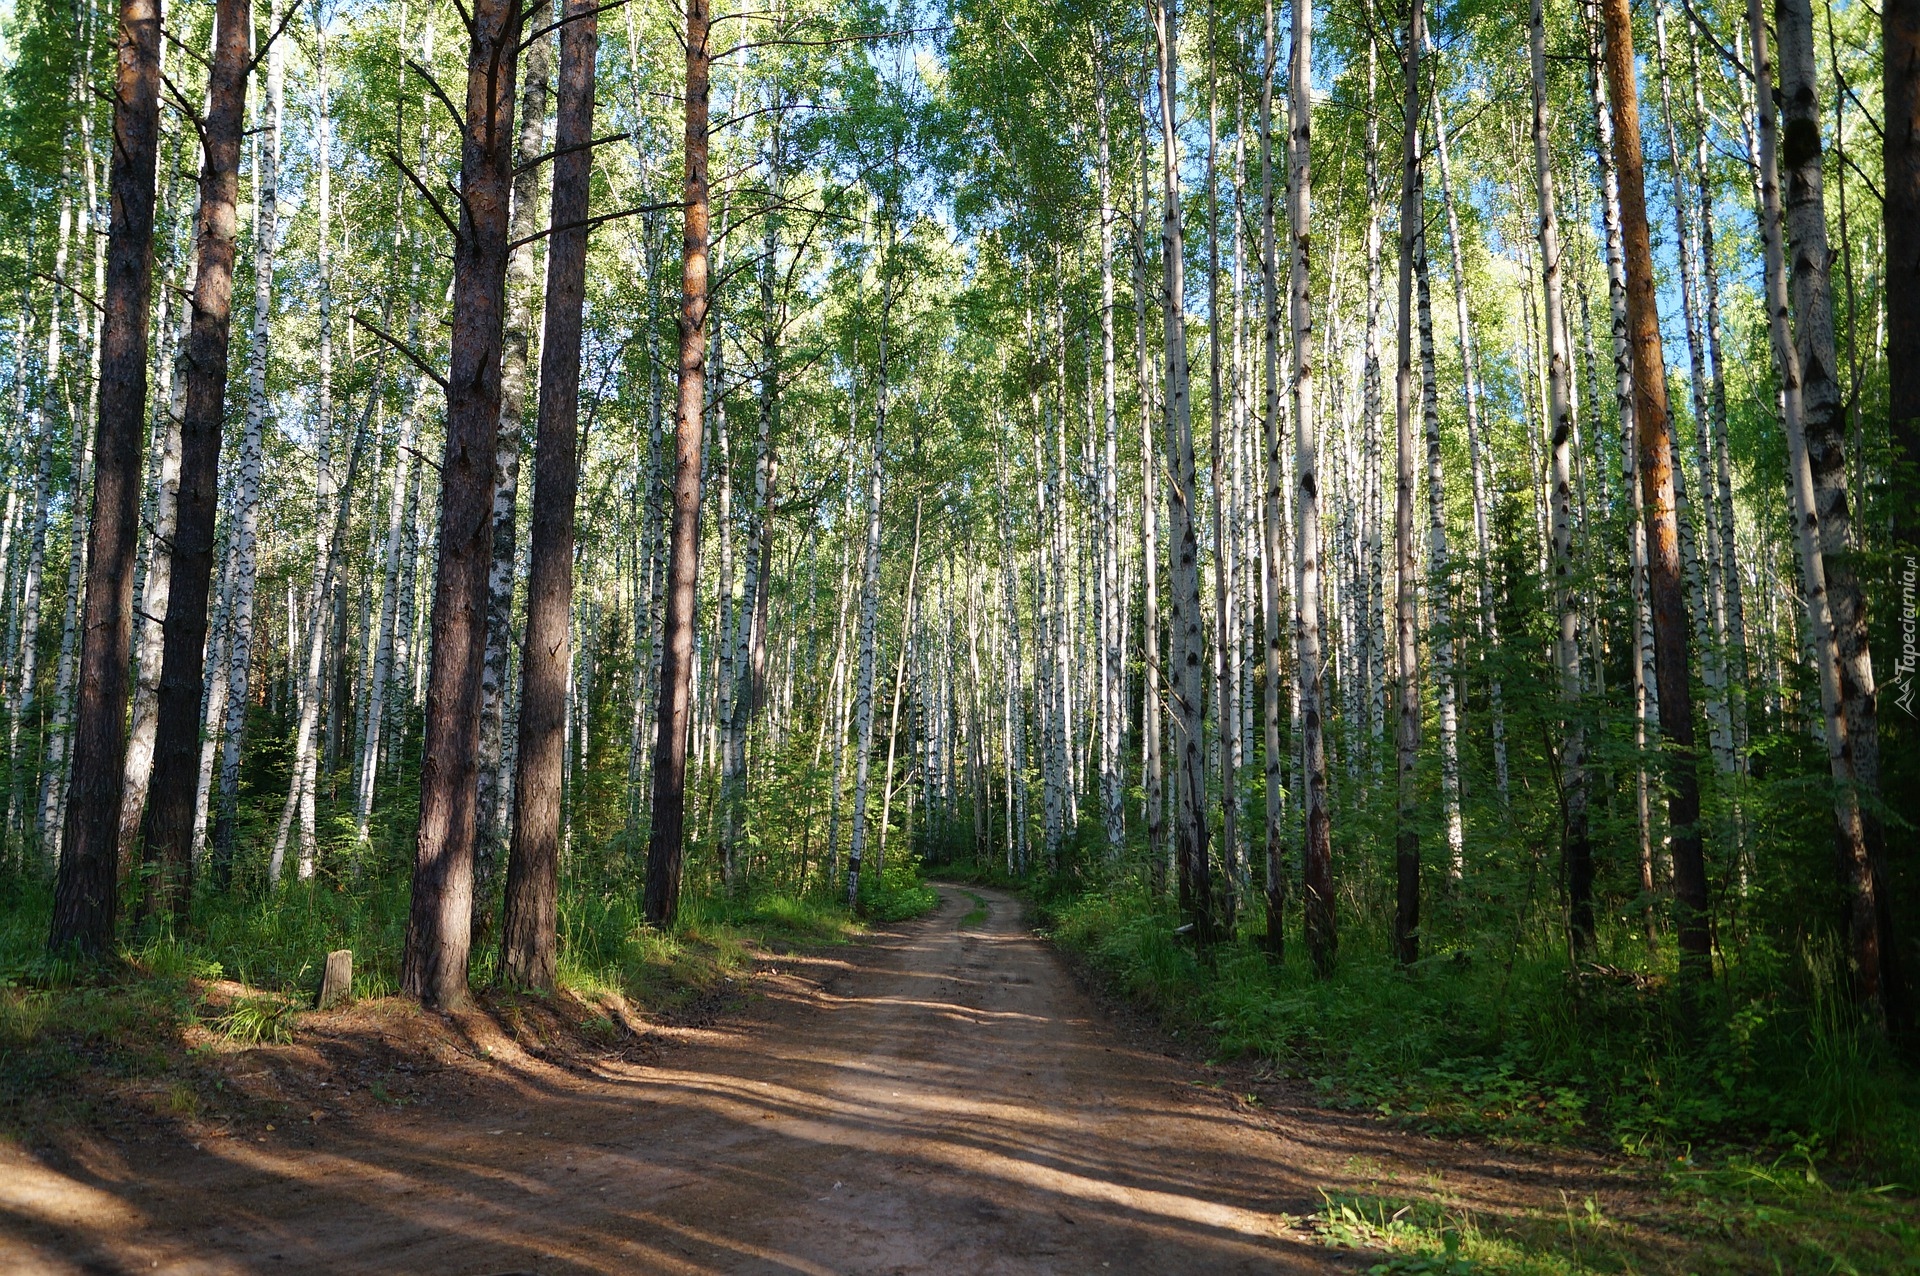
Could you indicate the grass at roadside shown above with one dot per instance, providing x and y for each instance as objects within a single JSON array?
[
  {"x": 244, "y": 973},
  {"x": 1771, "y": 1133}
]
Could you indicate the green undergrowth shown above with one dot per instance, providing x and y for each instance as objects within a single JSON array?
[
  {"x": 245, "y": 968},
  {"x": 1781, "y": 1129},
  {"x": 1739, "y": 1217}
]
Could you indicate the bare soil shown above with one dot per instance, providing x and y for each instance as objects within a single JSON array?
[{"x": 945, "y": 1097}]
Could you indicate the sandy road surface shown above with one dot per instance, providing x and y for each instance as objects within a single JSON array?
[{"x": 941, "y": 1099}]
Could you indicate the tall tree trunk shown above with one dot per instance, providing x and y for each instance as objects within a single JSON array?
[
  {"x": 1824, "y": 403},
  {"x": 213, "y": 710},
  {"x": 869, "y": 605},
  {"x": 1406, "y": 921},
  {"x": 1152, "y": 769},
  {"x": 27, "y": 814},
  {"x": 60, "y": 724},
  {"x": 1868, "y": 914},
  {"x": 841, "y": 700},
  {"x": 1370, "y": 393},
  {"x": 1222, "y": 500},
  {"x": 522, "y": 291},
  {"x": 26, "y": 663},
  {"x": 1640, "y": 623},
  {"x": 308, "y": 655},
  {"x": 149, "y": 627},
  {"x": 1317, "y": 857},
  {"x": 1439, "y": 574},
  {"x": 154, "y": 573},
  {"x": 1576, "y": 847},
  {"x": 750, "y": 696},
  {"x": 1113, "y": 669},
  {"x": 1699, "y": 526},
  {"x": 533, "y": 871},
  {"x": 1014, "y": 742},
  {"x": 909, "y": 619},
  {"x": 86, "y": 895},
  {"x": 1654, "y": 439},
  {"x": 1730, "y": 586},
  {"x": 726, "y": 635},
  {"x": 434, "y": 965},
  {"x": 1187, "y": 645},
  {"x": 170, "y": 823},
  {"x": 306, "y": 755},
  {"x": 1900, "y": 219},
  {"x": 1476, "y": 428},
  {"x": 250, "y": 465},
  {"x": 1272, "y": 523},
  {"x": 665, "y": 843},
  {"x": 382, "y": 682}
]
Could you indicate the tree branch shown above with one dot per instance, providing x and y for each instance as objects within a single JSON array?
[
  {"x": 827, "y": 42},
  {"x": 183, "y": 106},
  {"x": 571, "y": 17},
  {"x": 568, "y": 150},
  {"x": 405, "y": 351},
  {"x": 1706, "y": 32},
  {"x": 431, "y": 199},
  {"x": 285, "y": 20},
  {"x": 591, "y": 222},
  {"x": 56, "y": 280},
  {"x": 438, "y": 92},
  {"x": 177, "y": 43}
]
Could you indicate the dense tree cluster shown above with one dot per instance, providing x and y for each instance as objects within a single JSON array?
[{"x": 758, "y": 449}]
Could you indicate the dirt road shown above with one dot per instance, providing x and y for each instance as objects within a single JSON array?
[{"x": 942, "y": 1099}]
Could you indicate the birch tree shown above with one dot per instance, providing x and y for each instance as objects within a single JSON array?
[
  {"x": 1318, "y": 855},
  {"x": 1578, "y": 850},
  {"x": 1187, "y": 649}
]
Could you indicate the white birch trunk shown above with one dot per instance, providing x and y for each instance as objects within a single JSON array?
[
  {"x": 1470, "y": 385},
  {"x": 1151, "y": 712},
  {"x": 1188, "y": 644},
  {"x": 1317, "y": 856},
  {"x": 1112, "y": 717},
  {"x": 250, "y": 467},
  {"x": 1851, "y": 837},
  {"x": 1439, "y": 579},
  {"x": 869, "y": 604},
  {"x": 1566, "y": 648},
  {"x": 494, "y": 805}
]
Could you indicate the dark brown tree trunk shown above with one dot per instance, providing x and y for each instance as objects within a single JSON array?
[
  {"x": 176, "y": 759},
  {"x": 86, "y": 895},
  {"x": 533, "y": 868},
  {"x": 1900, "y": 83},
  {"x": 439, "y": 924},
  {"x": 1900, "y": 39},
  {"x": 1653, "y": 438},
  {"x": 664, "y": 846}
]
